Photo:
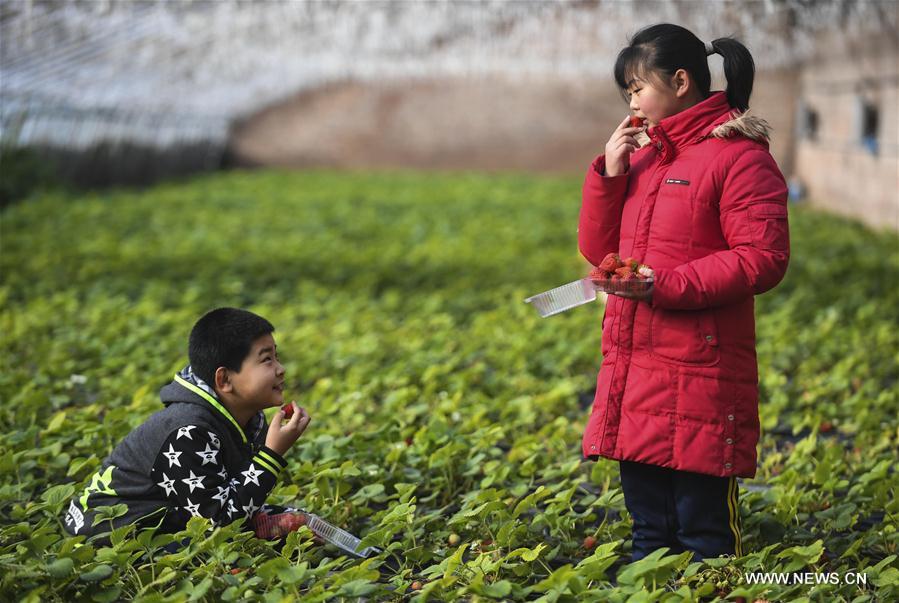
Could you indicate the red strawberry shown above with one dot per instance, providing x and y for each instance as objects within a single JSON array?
[
  {"x": 599, "y": 275},
  {"x": 288, "y": 410},
  {"x": 624, "y": 271},
  {"x": 631, "y": 282},
  {"x": 636, "y": 122},
  {"x": 589, "y": 542},
  {"x": 272, "y": 527},
  {"x": 610, "y": 263},
  {"x": 294, "y": 521},
  {"x": 632, "y": 263}
]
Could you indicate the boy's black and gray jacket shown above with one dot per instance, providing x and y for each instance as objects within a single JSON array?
[{"x": 190, "y": 459}]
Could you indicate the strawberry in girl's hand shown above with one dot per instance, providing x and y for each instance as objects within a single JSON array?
[
  {"x": 641, "y": 137},
  {"x": 598, "y": 274},
  {"x": 632, "y": 282},
  {"x": 610, "y": 263},
  {"x": 287, "y": 409}
]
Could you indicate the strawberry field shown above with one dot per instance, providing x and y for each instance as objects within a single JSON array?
[{"x": 446, "y": 414}]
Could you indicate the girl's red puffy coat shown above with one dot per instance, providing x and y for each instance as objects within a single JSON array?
[{"x": 705, "y": 206}]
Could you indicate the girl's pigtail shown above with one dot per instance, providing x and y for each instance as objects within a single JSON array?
[{"x": 739, "y": 69}]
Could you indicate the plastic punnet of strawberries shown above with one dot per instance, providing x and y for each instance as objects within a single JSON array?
[
  {"x": 276, "y": 525},
  {"x": 614, "y": 275}
]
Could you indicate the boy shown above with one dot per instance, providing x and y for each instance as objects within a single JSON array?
[{"x": 209, "y": 453}]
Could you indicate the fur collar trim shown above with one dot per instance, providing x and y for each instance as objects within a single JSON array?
[{"x": 743, "y": 124}]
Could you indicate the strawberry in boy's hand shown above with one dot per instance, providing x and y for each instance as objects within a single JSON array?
[
  {"x": 636, "y": 122},
  {"x": 284, "y": 431}
]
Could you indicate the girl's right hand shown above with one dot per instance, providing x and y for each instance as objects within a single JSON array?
[{"x": 620, "y": 146}]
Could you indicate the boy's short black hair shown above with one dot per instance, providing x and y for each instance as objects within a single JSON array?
[{"x": 223, "y": 337}]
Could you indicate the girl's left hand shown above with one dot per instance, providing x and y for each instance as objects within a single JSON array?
[{"x": 637, "y": 295}]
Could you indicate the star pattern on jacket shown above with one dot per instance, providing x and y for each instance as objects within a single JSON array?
[
  {"x": 193, "y": 481},
  {"x": 222, "y": 494},
  {"x": 192, "y": 508},
  {"x": 250, "y": 508},
  {"x": 185, "y": 432},
  {"x": 208, "y": 455},
  {"x": 172, "y": 456},
  {"x": 252, "y": 475},
  {"x": 167, "y": 483},
  {"x": 199, "y": 480}
]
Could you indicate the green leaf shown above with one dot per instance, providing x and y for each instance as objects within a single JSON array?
[
  {"x": 99, "y": 572},
  {"x": 268, "y": 570},
  {"x": 454, "y": 560},
  {"x": 497, "y": 590},
  {"x": 294, "y": 573},
  {"x": 61, "y": 568},
  {"x": 56, "y": 495},
  {"x": 200, "y": 590},
  {"x": 357, "y": 588},
  {"x": 56, "y": 422},
  {"x": 108, "y": 595}
]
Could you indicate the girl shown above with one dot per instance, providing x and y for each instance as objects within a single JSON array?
[{"x": 703, "y": 204}]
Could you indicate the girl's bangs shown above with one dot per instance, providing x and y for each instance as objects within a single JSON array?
[{"x": 629, "y": 65}]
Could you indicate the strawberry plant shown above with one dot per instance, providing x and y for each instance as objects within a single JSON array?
[{"x": 447, "y": 416}]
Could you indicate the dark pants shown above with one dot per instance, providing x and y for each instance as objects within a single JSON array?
[{"x": 681, "y": 510}]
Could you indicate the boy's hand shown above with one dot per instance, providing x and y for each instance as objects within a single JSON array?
[{"x": 281, "y": 437}]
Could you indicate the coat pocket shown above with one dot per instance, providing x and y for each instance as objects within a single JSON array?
[
  {"x": 672, "y": 212},
  {"x": 768, "y": 223},
  {"x": 688, "y": 337}
]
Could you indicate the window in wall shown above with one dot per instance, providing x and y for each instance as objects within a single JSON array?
[
  {"x": 869, "y": 124},
  {"x": 806, "y": 122},
  {"x": 810, "y": 124}
]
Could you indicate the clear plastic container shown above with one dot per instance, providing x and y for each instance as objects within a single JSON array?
[
  {"x": 339, "y": 538},
  {"x": 622, "y": 286},
  {"x": 278, "y": 525},
  {"x": 563, "y": 298}
]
